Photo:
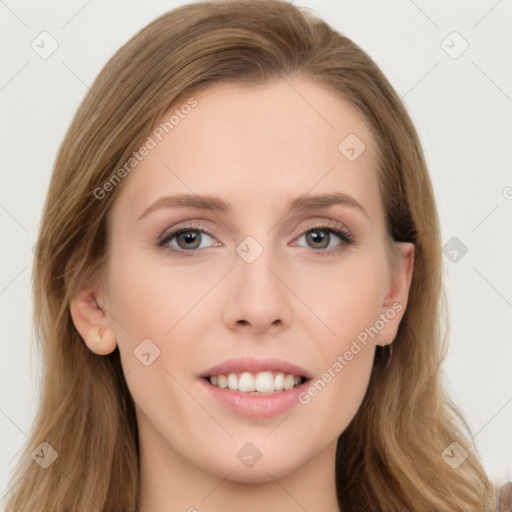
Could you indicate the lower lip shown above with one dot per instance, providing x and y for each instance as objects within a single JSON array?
[{"x": 256, "y": 406}]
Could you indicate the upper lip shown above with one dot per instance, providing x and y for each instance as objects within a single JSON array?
[{"x": 255, "y": 365}]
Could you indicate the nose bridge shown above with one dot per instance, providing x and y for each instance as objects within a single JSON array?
[
  {"x": 254, "y": 263},
  {"x": 258, "y": 297}
]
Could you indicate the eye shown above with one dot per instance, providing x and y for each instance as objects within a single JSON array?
[
  {"x": 186, "y": 240},
  {"x": 322, "y": 237}
]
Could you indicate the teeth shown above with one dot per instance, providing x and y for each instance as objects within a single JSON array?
[
  {"x": 246, "y": 382},
  {"x": 262, "y": 382},
  {"x": 289, "y": 382},
  {"x": 232, "y": 381},
  {"x": 279, "y": 382},
  {"x": 265, "y": 382}
]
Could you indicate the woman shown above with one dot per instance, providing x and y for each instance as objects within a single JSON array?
[{"x": 239, "y": 290}]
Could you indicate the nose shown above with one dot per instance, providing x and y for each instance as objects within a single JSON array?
[{"x": 258, "y": 297}]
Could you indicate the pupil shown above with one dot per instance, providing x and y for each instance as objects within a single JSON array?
[
  {"x": 190, "y": 237},
  {"x": 316, "y": 238}
]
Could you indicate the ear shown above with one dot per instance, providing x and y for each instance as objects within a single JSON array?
[
  {"x": 92, "y": 322},
  {"x": 395, "y": 300}
]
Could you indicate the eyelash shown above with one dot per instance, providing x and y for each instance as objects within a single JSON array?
[{"x": 344, "y": 236}]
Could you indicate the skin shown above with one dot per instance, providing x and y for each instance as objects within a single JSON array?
[{"x": 257, "y": 148}]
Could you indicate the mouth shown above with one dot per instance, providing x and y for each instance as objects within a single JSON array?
[{"x": 256, "y": 388}]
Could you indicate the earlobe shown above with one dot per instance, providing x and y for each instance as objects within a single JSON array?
[
  {"x": 395, "y": 301},
  {"x": 100, "y": 341},
  {"x": 92, "y": 322}
]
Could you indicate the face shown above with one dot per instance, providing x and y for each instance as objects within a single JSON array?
[{"x": 262, "y": 280}]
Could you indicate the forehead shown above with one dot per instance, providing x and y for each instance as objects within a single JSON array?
[{"x": 277, "y": 140}]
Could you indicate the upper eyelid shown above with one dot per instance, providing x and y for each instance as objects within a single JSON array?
[
  {"x": 171, "y": 233},
  {"x": 200, "y": 224}
]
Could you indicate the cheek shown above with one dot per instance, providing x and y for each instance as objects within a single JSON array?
[
  {"x": 149, "y": 296},
  {"x": 347, "y": 296}
]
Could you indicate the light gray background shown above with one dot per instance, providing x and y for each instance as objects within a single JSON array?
[{"x": 462, "y": 108}]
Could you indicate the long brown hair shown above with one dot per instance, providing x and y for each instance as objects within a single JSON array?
[{"x": 390, "y": 457}]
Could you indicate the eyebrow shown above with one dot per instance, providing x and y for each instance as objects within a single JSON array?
[{"x": 304, "y": 202}]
